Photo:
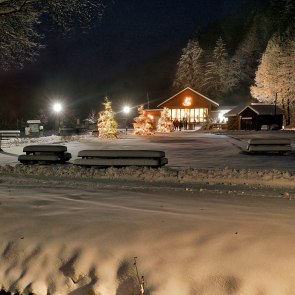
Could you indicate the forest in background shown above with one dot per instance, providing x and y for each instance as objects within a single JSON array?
[{"x": 249, "y": 56}]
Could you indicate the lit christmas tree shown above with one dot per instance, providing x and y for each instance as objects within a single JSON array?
[
  {"x": 143, "y": 123},
  {"x": 106, "y": 124},
  {"x": 165, "y": 123}
]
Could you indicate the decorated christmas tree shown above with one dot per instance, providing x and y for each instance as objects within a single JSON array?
[
  {"x": 106, "y": 124},
  {"x": 165, "y": 123},
  {"x": 143, "y": 123}
]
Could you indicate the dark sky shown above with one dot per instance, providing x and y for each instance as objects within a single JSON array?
[{"x": 134, "y": 50}]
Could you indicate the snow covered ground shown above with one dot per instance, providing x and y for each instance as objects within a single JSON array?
[{"x": 214, "y": 221}]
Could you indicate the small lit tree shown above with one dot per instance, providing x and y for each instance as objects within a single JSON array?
[
  {"x": 106, "y": 124},
  {"x": 143, "y": 124},
  {"x": 165, "y": 123}
]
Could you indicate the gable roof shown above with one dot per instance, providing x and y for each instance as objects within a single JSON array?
[
  {"x": 259, "y": 109},
  {"x": 188, "y": 88},
  {"x": 235, "y": 111},
  {"x": 266, "y": 109}
]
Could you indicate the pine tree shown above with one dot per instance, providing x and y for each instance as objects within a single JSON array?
[
  {"x": 222, "y": 74},
  {"x": 107, "y": 125},
  {"x": 275, "y": 76},
  {"x": 190, "y": 67},
  {"x": 165, "y": 123},
  {"x": 250, "y": 50},
  {"x": 267, "y": 80},
  {"x": 143, "y": 123}
]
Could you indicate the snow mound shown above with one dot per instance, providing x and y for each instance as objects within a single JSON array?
[{"x": 227, "y": 175}]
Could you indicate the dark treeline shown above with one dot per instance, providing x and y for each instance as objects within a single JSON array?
[{"x": 222, "y": 61}]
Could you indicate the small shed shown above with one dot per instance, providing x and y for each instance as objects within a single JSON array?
[
  {"x": 253, "y": 116},
  {"x": 34, "y": 127}
]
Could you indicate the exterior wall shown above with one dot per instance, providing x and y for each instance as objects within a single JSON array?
[
  {"x": 198, "y": 111},
  {"x": 243, "y": 121},
  {"x": 197, "y": 101},
  {"x": 233, "y": 123},
  {"x": 259, "y": 120}
]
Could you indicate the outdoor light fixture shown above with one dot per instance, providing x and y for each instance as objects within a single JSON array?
[
  {"x": 57, "y": 107},
  {"x": 126, "y": 110},
  {"x": 187, "y": 101}
]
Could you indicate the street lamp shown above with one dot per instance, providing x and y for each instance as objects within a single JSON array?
[
  {"x": 57, "y": 108},
  {"x": 126, "y": 110}
]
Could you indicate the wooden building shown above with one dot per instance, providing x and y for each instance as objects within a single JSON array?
[
  {"x": 253, "y": 116},
  {"x": 190, "y": 105}
]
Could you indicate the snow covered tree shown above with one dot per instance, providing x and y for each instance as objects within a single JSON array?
[
  {"x": 165, "y": 123},
  {"x": 143, "y": 123},
  {"x": 107, "y": 125},
  {"x": 267, "y": 80},
  {"x": 274, "y": 81},
  {"x": 222, "y": 73},
  {"x": 21, "y": 22},
  {"x": 190, "y": 67}
]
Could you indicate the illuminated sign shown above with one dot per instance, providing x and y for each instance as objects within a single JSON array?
[{"x": 187, "y": 102}]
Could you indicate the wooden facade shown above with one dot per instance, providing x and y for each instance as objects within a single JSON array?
[
  {"x": 190, "y": 105},
  {"x": 254, "y": 116}
]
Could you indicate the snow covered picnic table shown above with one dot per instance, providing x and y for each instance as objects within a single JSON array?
[
  {"x": 269, "y": 145},
  {"x": 44, "y": 154},
  {"x": 119, "y": 158}
]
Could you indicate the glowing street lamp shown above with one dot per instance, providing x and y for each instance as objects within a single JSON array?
[
  {"x": 57, "y": 108},
  {"x": 126, "y": 110}
]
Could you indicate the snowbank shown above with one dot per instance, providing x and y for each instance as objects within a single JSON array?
[{"x": 274, "y": 178}]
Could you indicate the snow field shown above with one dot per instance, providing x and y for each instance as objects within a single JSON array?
[{"x": 195, "y": 230}]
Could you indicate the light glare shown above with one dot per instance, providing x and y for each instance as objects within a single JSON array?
[{"x": 57, "y": 107}]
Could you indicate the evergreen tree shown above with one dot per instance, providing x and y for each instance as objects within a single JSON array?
[
  {"x": 107, "y": 125},
  {"x": 250, "y": 50},
  {"x": 190, "y": 67},
  {"x": 274, "y": 81},
  {"x": 222, "y": 74},
  {"x": 143, "y": 124},
  {"x": 165, "y": 123},
  {"x": 267, "y": 80}
]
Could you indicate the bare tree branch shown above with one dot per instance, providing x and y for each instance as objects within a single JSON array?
[{"x": 21, "y": 20}]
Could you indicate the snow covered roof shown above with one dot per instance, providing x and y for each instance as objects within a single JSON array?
[
  {"x": 266, "y": 109},
  {"x": 259, "y": 109},
  {"x": 222, "y": 109},
  {"x": 196, "y": 92},
  {"x": 235, "y": 111}
]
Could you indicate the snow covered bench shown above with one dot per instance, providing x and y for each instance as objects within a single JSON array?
[
  {"x": 44, "y": 154},
  {"x": 269, "y": 145},
  {"x": 7, "y": 134},
  {"x": 119, "y": 158}
]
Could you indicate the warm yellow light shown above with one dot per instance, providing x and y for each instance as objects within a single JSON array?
[
  {"x": 187, "y": 101},
  {"x": 151, "y": 117}
]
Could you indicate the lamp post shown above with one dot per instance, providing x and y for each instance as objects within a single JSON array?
[
  {"x": 57, "y": 108},
  {"x": 126, "y": 110}
]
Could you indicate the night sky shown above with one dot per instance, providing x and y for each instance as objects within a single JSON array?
[{"x": 134, "y": 50}]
